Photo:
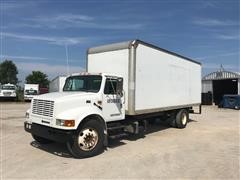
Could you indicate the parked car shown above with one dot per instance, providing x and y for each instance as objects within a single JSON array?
[{"x": 231, "y": 101}]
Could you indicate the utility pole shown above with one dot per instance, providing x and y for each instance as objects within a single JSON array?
[{"x": 66, "y": 50}]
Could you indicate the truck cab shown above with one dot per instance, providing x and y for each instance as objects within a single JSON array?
[
  {"x": 30, "y": 91},
  {"x": 79, "y": 114},
  {"x": 8, "y": 91}
]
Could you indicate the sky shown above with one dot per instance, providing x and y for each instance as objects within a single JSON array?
[{"x": 38, "y": 35}]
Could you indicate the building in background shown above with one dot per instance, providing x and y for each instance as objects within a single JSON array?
[{"x": 219, "y": 83}]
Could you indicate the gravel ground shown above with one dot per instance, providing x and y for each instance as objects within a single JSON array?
[{"x": 208, "y": 148}]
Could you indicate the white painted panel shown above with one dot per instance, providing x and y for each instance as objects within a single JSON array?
[
  {"x": 61, "y": 83},
  {"x": 31, "y": 86},
  {"x": 56, "y": 85},
  {"x": 207, "y": 86},
  {"x": 113, "y": 62},
  {"x": 164, "y": 80}
]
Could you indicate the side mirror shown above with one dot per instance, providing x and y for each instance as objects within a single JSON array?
[{"x": 119, "y": 86}]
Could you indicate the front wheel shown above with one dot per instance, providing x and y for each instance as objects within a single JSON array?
[{"x": 88, "y": 140}]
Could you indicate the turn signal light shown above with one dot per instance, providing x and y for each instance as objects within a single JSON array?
[
  {"x": 66, "y": 123},
  {"x": 69, "y": 123}
]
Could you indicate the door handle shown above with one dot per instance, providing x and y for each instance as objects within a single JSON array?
[{"x": 123, "y": 97}]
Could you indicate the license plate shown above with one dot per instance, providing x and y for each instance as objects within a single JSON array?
[{"x": 6, "y": 94}]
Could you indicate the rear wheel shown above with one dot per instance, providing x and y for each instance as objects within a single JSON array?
[
  {"x": 88, "y": 140},
  {"x": 41, "y": 140},
  {"x": 182, "y": 118}
]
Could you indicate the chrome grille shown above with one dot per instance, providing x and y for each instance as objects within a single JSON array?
[
  {"x": 43, "y": 107},
  {"x": 7, "y": 93}
]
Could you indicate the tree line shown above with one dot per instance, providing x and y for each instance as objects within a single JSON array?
[{"x": 9, "y": 71}]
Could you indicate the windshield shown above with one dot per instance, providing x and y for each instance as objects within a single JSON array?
[
  {"x": 5, "y": 87},
  {"x": 31, "y": 92},
  {"x": 88, "y": 83}
]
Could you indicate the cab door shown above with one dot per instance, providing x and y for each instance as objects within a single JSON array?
[{"x": 113, "y": 101}]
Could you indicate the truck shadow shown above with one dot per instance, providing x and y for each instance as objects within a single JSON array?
[
  {"x": 57, "y": 149},
  {"x": 113, "y": 143},
  {"x": 60, "y": 149},
  {"x": 152, "y": 128}
]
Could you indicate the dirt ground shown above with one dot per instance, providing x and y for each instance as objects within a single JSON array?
[{"x": 208, "y": 148}]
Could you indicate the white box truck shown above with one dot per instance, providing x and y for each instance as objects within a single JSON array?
[
  {"x": 8, "y": 91},
  {"x": 30, "y": 91},
  {"x": 126, "y": 84},
  {"x": 56, "y": 85}
]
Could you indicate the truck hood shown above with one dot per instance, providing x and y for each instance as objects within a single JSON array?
[{"x": 59, "y": 96}]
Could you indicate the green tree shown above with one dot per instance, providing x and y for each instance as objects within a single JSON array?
[
  {"x": 38, "y": 77},
  {"x": 8, "y": 72}
]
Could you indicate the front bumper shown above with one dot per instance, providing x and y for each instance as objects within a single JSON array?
[
  {"x": 28, "y": 97},
  {"x": 53, "y": 134},
  {"x": 7, "y": 96}
]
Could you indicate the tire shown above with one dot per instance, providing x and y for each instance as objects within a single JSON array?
[
  {"x": 41, "y": 140},
  {"x": 182, "y": 118},
  {"x": 88, "y": 140}
]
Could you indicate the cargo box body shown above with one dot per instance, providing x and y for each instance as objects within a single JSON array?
[
  {"x": 154, "y": 79},
  {"x": 56, "y": 85}
]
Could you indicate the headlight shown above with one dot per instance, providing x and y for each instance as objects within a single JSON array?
[{"x": 66, "y": 123}]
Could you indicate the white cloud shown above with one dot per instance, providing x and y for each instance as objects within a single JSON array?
[
  {"x": 217, "y": 66},
  {"x": 63, "y": 21},
  {"x": 37, "y": 59},
  {"x": 215, "y": 22},
  {"x": 10, "y": 5},
  {"x": 208, "y": 4},
  {"x": 22, "y": 57},
  {"x": 72, "y": 18},
  {"x": 50, "y": 40},
  {"x": 228, "y": 37},
  {"x": 218, "y": 55},
  {"x": 51, "y": 70}
]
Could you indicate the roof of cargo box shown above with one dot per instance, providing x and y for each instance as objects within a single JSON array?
[{"x": 127, "y": 44}]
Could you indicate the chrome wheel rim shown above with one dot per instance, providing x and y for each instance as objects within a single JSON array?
[
  {"x": 184, "y": 118},
  {"x": 87, "y": 139}
]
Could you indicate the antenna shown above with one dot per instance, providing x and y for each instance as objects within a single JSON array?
[
  {"x": 66, "y": 50},
  {"x": 221, "y": 68}
]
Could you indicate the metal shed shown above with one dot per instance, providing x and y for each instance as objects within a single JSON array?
[{"x": 219, "y": 83}]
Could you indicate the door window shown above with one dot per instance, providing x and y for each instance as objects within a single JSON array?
[{"x": 110, "y": 86}]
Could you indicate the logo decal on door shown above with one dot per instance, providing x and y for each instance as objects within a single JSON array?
[{"x": 113, "y": 101}]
